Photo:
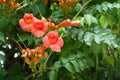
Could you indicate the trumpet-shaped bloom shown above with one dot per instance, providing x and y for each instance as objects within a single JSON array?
[
  {"x": 39, "y": 27},
  {"x": 27, "y": 22},
  {"x": 53, "y": 41},
  {"x": 68, "y": 22}
]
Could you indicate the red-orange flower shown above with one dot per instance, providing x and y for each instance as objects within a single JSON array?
[
  {"x": 32, "y": 56},
  {"x": 11, "y": 3},
  {"x": 53, "y": 41},
  {"x": 27, "y": 22},
  {"x": 45, "y": 1},
  {"x": 67, "y": 23},
  {"x": 67, "y": 4},
  {"x": 39, "y": 27}
]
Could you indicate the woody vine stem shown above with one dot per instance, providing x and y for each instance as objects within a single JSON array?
[{"x": 83, "y": 7}]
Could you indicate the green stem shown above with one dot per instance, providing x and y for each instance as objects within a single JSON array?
[
  {"x": 48, "y": 58},
  {"x": 21, "y": 7},
  {"x": 21, "y": 41},
  {"x": 39, "y": 11},
  {"x": 33, "y": 74},
  {"x": 83, "y": 7},
  {"x": 96, "y": 63}
]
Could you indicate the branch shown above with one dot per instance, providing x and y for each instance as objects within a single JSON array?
[{"x": 83, "y": 7}]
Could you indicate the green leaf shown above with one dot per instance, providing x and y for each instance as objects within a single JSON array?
[
  {"x": 95, "y": 48},
  {"x": 104, "y": 50},
  {"x": 76, "y": 66},
  {"x": 69, "y": 67},
  {"x": 80, "y": 35},
  {"x": 53, "y": 75},
  {"x": 81, "y": 65},
  {"x": 114, "y": 44},
  {"x": 88, "y": 38},
  {"x": 2, "y": 58},
  {"x": 80, "y": 54},
  {"x": 107, "y": 39},
  {"x": 77, "y": 7},
  {"x": 74, "y": 33},
  {"x": 94, "y": 20},
  {"x": 98, "y": 38},
  {"x": 103, "y": 21},
  {"x": 2, "y": 37},
  {"x": 82, "y": 21},
  {"x": 90, "y": 19},
  {"x": 90, "y": 62},
  {"x": 110, "y": 59},
  {"x": 64, "y": 60},
  {"x": 57, "y": 64}
]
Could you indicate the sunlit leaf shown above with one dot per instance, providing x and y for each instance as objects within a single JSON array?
[
  {"x": 103, "y": 21},
  {"x": 88, "y": 38}
]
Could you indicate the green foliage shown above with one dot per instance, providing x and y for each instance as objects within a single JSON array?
[
  {"x": 90, "y": 52},
  {"x": 73, "y": 63}
]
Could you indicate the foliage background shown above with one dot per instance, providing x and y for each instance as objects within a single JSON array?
[{"x": 90, "y": 52}]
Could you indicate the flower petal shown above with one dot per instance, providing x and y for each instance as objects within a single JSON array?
[
  {"x": 55, "y": 48},
  {"x": 25, "y": 26},
  {"x": 60, "y": 42},
  {"x": 38, "y": 33},
  {"x": 46, "y": 42}
]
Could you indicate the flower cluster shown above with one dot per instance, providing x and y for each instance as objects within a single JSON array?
[
  {"x": 40, "y": 27},
  {"x": 51, "y": 40},
  {"x": 11, "y": 3},
  {"x": 31, "y": 24},
  {"x": 32, "y": 56},
  {"x": 45, "y": 1},
  {"x": 67, "y": 4}
]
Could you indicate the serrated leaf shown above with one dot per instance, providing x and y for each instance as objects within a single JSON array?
[
  {"x": 94, "y": 20},
  {"x": 53, "y": 75},
  {"x": 80, "y": 35},
  {"x": 98, "y": 7},
  {"x": 69, "y": 67},
  {"x": 98, "y": 38},
  {"x": 108, "y": 39},
  {"x": 82, "y": 21},
  {"x": 103, "y": 21},
  {"x": 114, "y": 44},
  {"x": 104, "y": 7},
  {"x": 88, "y": 19},
  {"x": 88, "y": 38},
  {"x": 76, "y": 66}
]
